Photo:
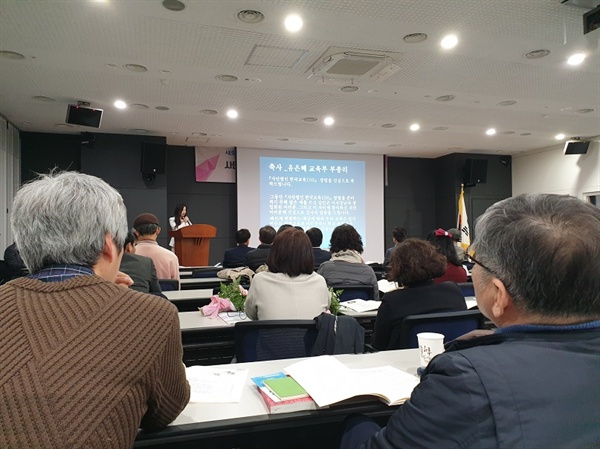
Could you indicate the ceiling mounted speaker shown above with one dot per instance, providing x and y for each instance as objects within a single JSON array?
[{"x": 576, "y": 146}]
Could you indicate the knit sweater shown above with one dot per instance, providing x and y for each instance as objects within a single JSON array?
[{"x": 85, "y": 363}]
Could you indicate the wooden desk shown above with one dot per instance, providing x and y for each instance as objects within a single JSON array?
[
  {"x": 189, "y": 300},
  {"x": 247, "y": 424}
]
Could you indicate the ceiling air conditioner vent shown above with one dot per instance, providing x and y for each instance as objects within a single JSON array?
[{"x": 352, "y": 64}]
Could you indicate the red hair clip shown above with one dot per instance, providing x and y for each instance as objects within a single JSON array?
[{"x": 440, "y": 232}]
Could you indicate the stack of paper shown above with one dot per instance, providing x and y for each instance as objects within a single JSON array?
[{"x": 360, "y": 305}]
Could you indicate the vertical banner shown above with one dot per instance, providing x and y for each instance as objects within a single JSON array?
[
  {"x": 463, "y": 222},
  {"x": 215, "y": 164}
]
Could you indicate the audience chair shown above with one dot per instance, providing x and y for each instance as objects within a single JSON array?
[
  {"x": 273, "y": 339},
  {"x": 167, "y": 285},
  {"x": 205, "y": 272},
  {"x": 451, "y": 324},
  {"x": 466, "y": 288},
  {"x": 354, "y": 292}
]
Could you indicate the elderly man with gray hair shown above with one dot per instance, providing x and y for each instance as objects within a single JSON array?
[
  {"x": 84, "y": 362},
  {"x": 533, "y": 383}
]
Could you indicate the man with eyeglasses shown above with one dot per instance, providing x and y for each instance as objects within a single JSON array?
[{"x": 533, "y": 383}]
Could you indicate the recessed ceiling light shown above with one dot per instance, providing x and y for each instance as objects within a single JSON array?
[
  {"x": 310, "y": 119},
  {"x": 232, "y": 113},
  {"x": 349, "y": 143},
  {"x": 136, "y": 68},
  {"x": 507, "y": 103},
  {"x": 415, "y": 127},
  {"x": 251, "y": 16},
  {"x": 449, "y": 41},
  {"x": 507, "y": 133},
  {"x": 112, "y": 66},
  {"x": 43, "y": 98},
  {"x": 414, "y": 38},
  {"x": 525, "y": 134},
  {"x": 388, "y": 125},
  {"x": 11, "y": 54},
  {"x": 349, "y": 88},
  {"x": 282, "y": 139},
  {"x": 162, "y": 108},
  {"x": 120, "y": 104},
  {"x": 199, "y": 134},
  {"x": 139, "y": 106},
  {"x": 209, "y": 111},
  {"x": 559, "y": 136},
  {"x": 228, "y": 78},
  {"x": 293, "y": 23},
  {"x": 584, "y": 111},
  {"x": 536, "y": 54},
  {"x": 173, "y": 5},
  {"x": 491, "y": 132},
  {"x": 576, "y": 59},
  {"x": 446, "y": 98},
  {"x": 252, "y": 80},
  {"x": 165, "y": 71},
  {"x": 440, "y": 128},
  {"x": 329, "y": 121}
]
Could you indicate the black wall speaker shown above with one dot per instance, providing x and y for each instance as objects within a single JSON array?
[
  {"x": 154, "y": 158},
  {"x": 83, "y": 116},
  {"x": 576, "y": 146},
  {"x": 475, "y": 171}
]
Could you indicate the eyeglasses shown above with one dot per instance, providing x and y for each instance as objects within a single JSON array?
[
  {"x": 234, "y": 314},
  {"x": 470, "y": 258}
]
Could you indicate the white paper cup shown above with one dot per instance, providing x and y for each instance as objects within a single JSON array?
[{"x": 430, "y": 345}]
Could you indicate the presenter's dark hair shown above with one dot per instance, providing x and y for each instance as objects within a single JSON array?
[
  {"x": 291, "y": 253},
  {"x": 546, "y": 251},
  {"x": 415, "y": 261},
  {"x": 242, "y": 236},
  {"x": 177, "y": 213},
  {"x": 266, "y": 234},
  {"x": 316, "y": 237},
  {"x": 345, "y": 237},
  {"x": 445, "y": 246}
]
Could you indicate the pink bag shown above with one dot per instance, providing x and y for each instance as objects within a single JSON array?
[{"x": 217, "y": 304}]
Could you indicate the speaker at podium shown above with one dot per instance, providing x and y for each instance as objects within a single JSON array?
[{"x": 192, "y": 244}]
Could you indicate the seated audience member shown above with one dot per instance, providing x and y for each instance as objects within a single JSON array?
[
  {"x": 454, "y": 272},
  {"x": 346, "y": 266},
  {"x": 460, "y": 251},
  {"x": 234, "y": 257},
  {"x": 290, "y": 289},
  {"x": 533, "y": 383},
  {"x": 257, "y": 257},
  {"x": 283, "y": 227},
  {"x": 413, "y": 266},
  {"x": 139, "y": 268},
  {"x": 316, "y": 240},
  {"x": 85, "y": 362},
  {"x": 14, "y": 262},
  {"x": 398, "y": 236},
  {"x": 147, "y": 229}
]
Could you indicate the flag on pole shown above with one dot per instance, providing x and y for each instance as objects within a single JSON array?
[{"x": 463, "y": 222}]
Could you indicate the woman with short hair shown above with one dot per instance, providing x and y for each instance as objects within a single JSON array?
[
  {"x": 289, "y": 289},
  {"x": 414, "y": 265}
]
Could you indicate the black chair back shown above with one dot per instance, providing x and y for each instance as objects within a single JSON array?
[
  {"x": 167, "y": 285},
  {"x": 4, "y": 272},
  {"x": 451, "y": 324},
  {"x": 273, "y": 339},
  {"x": 466, "y": 288},
  {"x": 205, "y": 272},
  {"x": 354, "y": 292}
]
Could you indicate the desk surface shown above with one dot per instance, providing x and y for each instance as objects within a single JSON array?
[{"x": 178, "y": 295}]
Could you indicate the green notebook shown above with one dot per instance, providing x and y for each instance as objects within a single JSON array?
[{"x": 286, "y": 388}]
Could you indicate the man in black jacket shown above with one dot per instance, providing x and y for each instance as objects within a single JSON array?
[
  {"x": 257, "y": 257},
  {"x": 533, "y": 383}
]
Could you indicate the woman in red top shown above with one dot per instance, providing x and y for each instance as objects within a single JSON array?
[{"x": 454, "y": 270}]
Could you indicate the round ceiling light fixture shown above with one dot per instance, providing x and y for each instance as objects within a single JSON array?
[
  {"x": 43, "y": 98},
  {"x": 537, "y": 54},
  {"x": 491, "y": 132},
  {"x": 199, "y": 134},
  {"x": 310, "y": 119},
  {"x": 349, "y": 88},
  {"x": 585, "y": 110},
  {"x": 415, "y": 127},
  {"x": 11, "y": 54},
  {"x": 137, "y": 68},
  {"x": 576, "y": 59},
  {"x": 250, "y": 16},
  {"x": 139, "y": 106},
  {"x": 525, "y": 134},
  {"x": 209, "y": 111},
  {"x": 173, "y": 5},
  {"x": 414, "y": 38},
  {"x": 232, "y": 113},
  {"x": 559, "y": 136},
  {"x": 328, "y": 121},
  {"x": 293, "y": 23},
  {"x": 349, "y": 143},
  {"x": 120, "y": 104},
  {"x": 162, "y": 108},
  {"x": 445, "y": 98},
  {"x": 227, "y": 78},
  {"x": 449, "y": 41},
  {"x": 388, "y": 125},
  {"x": 507, "y": 103}
]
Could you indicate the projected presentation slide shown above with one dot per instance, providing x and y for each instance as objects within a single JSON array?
[{"x": 313, "y": 193}]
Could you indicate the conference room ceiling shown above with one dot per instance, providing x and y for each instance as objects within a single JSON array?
[{"x": 81, "y": 50}]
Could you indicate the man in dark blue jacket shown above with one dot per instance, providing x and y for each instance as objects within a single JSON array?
[
  {"x": 234, "y": 257},
  {"x": 533, "y": 383}
]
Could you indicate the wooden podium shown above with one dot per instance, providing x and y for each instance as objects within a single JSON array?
[{"x": 192, "y": 244}]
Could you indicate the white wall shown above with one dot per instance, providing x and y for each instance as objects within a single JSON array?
[
  {"x": 10, "y": 174},
  {"x": 554, "y": 172}
]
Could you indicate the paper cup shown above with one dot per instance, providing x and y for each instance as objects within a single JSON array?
[{"x": 430, "y": 345}]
